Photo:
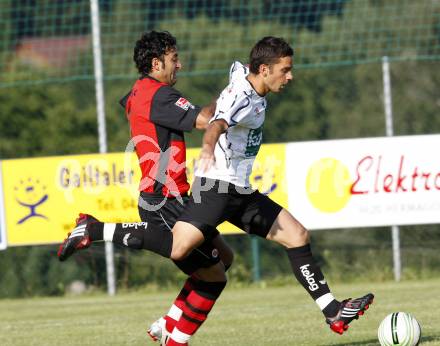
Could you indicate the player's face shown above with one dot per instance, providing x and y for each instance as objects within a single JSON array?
[
  {"x": 170, "y": 67},
  {"x": 279, "y": 74}
]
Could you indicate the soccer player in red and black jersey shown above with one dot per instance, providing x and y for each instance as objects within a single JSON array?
[{"x": 159, "y": 115}]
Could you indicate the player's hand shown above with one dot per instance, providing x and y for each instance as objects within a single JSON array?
[{"x": 206, "y": 159}]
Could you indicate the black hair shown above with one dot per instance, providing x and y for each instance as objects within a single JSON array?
[
  {"x": 152, "y": 44},
  {"x": 267, "y": 51}
]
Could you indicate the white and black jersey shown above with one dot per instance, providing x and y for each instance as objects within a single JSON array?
[
  {"x": 244, "y": 111},
  {"x": 235, "y": 152}
]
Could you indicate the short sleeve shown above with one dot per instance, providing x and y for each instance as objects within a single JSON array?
[
  {"x": 237, "y": 70},
  {"x": 170, "y": 109},
  {"x": 233, "y": 109}
]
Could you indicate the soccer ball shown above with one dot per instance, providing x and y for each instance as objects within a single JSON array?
[{"x": 399, "y": 328}]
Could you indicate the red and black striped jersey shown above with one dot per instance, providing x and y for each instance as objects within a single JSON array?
[{"x": 158, "y": 116}]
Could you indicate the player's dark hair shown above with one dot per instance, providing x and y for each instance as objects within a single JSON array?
[
  {"x": 152, "y": 44},
  {"x": 267, "y": 51}
]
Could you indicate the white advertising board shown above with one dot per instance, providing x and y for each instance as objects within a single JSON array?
[{"x": 364, "y": 182}]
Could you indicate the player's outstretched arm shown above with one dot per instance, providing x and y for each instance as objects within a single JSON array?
[
  {"x": 210, "y": 138},
  {"x": 205, "y": 116}
]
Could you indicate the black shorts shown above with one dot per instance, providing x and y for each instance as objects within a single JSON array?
[
  {"x": 249, "y": 210},
  {"x": 164, "y": 218}
]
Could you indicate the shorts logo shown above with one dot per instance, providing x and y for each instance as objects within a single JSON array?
[
  {"x": 214, "y": 253},
  {"x": 184, "y": 104}
]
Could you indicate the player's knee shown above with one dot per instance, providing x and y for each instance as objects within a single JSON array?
[
  {"x": 214, "y": 273},
  {"x": 299, "y": 237},
  {"x": 181, "y": 249},
  {"x": 227, "y": 257},
  {"x": 303, "y": 235},
  {"x": 219, "y": 273},
  {"x": 186, "y": 238},
  {"x": 225, "y": 252},
  {"x": 179, "y": 252}
]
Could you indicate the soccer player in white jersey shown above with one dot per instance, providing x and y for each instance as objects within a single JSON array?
[{"x": 222, "y": 192}]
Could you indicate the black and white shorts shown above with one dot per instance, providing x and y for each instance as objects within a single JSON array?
[
  {"x": 165, "y": 217},
  {"x": 248, "y": 209}
]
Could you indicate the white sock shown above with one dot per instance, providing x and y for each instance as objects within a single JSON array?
[
  {"x": 179, "y": 336},
  {"x": 109, "y": 231},
  {"x": 174, "y": 313},
  {"x": 324, "y": 300}
]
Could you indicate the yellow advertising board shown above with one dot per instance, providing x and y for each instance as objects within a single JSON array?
[{"x": 43, "y": 196}]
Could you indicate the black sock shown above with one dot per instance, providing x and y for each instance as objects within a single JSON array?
[
  {"x": 159, "y": 241},
  {"x": 140, "y": 236},
  {"x": 308, "y": 273},
  {"x": 129, "y": 235},
  {"x": 332, "y": 309},
  {"x": 209, "y": 290}
]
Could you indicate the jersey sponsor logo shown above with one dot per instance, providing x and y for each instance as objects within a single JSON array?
[
  {"x": 135, "y": 225},
  {"x": 254, "y": 140},
  {"x": 184, "y": 104},
  {"x": 313, "y": 286}
]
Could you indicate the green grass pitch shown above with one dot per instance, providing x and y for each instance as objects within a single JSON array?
[{"x": 243, "y": 316}]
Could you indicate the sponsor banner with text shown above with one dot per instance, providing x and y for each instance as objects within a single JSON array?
[
  {"x": 43, "y": 196},
  {"x": 365, "y": 182}
]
